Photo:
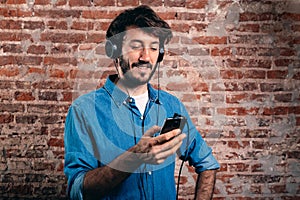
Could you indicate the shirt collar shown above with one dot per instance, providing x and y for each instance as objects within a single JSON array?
[{"x": 119, "y": 97}]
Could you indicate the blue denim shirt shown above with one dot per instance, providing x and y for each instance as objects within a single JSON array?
[{"x": 104, "y": 123}]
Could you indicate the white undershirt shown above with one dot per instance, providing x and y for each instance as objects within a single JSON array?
[{"x": 141, "y": 101}]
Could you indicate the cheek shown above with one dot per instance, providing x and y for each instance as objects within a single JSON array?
[{"x": 154, "y": 57}]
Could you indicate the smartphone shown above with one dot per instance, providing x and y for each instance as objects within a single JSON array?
[{"x": 173, "y": 123}]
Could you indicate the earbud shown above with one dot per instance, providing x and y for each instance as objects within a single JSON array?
[{"x": 161, "y": 54}]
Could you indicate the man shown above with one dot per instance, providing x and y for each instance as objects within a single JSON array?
[{"x": 113, "y": 148}]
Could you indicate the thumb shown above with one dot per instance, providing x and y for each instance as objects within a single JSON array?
[{"x": 150, "y": 132}]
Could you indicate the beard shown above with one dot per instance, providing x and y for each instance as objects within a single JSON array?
[
  {"x": 125, "y": 65},
  {"x": 129, "y": 72}
]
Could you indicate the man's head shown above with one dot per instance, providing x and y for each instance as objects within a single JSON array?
[{"x": 136, "y": 40}]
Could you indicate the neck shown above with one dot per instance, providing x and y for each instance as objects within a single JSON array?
[{"x": 131, "y": 89}]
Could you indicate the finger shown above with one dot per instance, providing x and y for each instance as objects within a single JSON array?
[
  {"x": 169, "y": 135},
  {"x": 150, "y": 132},
  {"x": 165, "y": 154},
  {"x": 171, "y": 143}
]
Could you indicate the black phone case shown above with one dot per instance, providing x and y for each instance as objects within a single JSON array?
[{"x": 173, "y": 123}]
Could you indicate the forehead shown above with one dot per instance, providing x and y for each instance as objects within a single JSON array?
[{"x": 138, "y": 34}]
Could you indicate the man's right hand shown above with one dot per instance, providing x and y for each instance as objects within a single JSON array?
[{"x": 155, "y": 150}]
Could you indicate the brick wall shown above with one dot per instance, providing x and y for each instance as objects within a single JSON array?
[{"x": 234, "y": 63}]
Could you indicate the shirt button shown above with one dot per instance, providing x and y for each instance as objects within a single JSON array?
[
  {"x": 150, "y": 173},
  {"x": 142, "y": 117}
]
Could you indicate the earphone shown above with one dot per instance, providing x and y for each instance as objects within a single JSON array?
[{"x": 113, "y": 50}]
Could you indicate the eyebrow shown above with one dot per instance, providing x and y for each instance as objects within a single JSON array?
[{"x": 140, "y": 41}]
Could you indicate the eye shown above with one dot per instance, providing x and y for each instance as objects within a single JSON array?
[
  {"x": 136, "y": 46},
  {"x": 154, "y": 47}
]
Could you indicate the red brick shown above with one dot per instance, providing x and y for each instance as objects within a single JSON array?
[
  {"x": 56, "y": 142},
  {"x": 199, "y": 17},
  {"x": 56, "y": 119},
  {"x": 57, "y": 13},
  {"x": 246, "y": 16},
  {"x": 249, "y": 28},
  {"x": 296, "y": 28},
  {"x": 276, "y": 111},
  {"x": 287, "y": 52},
  {"x": 271, "y": 87},
  {"x": 168, "y": 15},
  {"x": 257, "y": 167},
  {"x": 11, "y": 108},
  {"x": 79, "y": 3},
  {"x": 10, "y": 24},
  {"x": 12, "y": 48},
  {"x": 53, "y": 85},
  {"x": 82, "y": 26},
  {"x": 7, "y": 36},
  {"x": 122, "y": 3},
  {"x": 63, "y": 49},
  {"x": 24, "y": 96},
  {"x": 170, "y": 3},
  {"x": 233, "y": 86},
  {"x": 57, "y": 25},
  {"x": 36, "y": 70},
  {"x": 231, "y": 74},
  {"x": 60, "y": 2},
  {"x": 60, "y": 60},
  {"x": 36, "y": 49},
  {"x": 277, "y": 74},
  {"x": 16, "y": 12},
  {"x": 210, "y": 40},
  {"x": 184, "y": 28},
  {"x": 248, "y": 63},
  {"x": 238, "y": 144},
  {"x": 6, "y": 118},
  {"x": 48, "y": 96},
  {"x": 26, "y": 119},
  {"x": 291, "y": 16},
  {"x": 33, "y": 25},
  {"x": 255, "y": 74},
  {"x": 81, "y": 74},
  {"x": 57, "y": 73},
  {"x": 283, "y": 62},
  {"x": 287, "y": 97},
  {"x": 200, "y": 4},
  {"x": 237, "y": 98},
  {"x": 95, "y": 38},
  {"x": 216, "y": 51},
  {"x": 104, "y": 2},
  {"x": 42, "y": 2},
  {"x": 63, "y": 37},
  {"x": 8, "y": 71},
  {"x": 99, "y": 14},
  {"x": 16, "y": 1},
  {"x": 152, "y": 3},
  {"x": 238, "y": 167}
]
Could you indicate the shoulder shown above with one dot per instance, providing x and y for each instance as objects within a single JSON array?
[{"x": 87, "y": 99}]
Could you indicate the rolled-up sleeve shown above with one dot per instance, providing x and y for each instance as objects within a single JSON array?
[
  {"x": 78, "y": 160},
  {"x": 197, "y": 152}
]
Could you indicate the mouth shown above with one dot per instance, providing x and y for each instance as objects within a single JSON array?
[{"x": 142, "y": 66}]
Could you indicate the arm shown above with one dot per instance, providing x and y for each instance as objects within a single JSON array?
[
  {"x": 154, "y": 150},
  {"x": 205, "y": 185}
]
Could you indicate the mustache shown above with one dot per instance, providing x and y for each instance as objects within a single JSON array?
[{"x": 142, "y": 63}]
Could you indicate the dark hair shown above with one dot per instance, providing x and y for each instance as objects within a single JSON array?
[{"x": 139, "y": 17}]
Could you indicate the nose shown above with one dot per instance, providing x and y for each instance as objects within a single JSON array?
[{"x": 145, "y": 55}]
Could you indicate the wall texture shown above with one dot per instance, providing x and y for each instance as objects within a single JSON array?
[{"x": 234, "y": 63}]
